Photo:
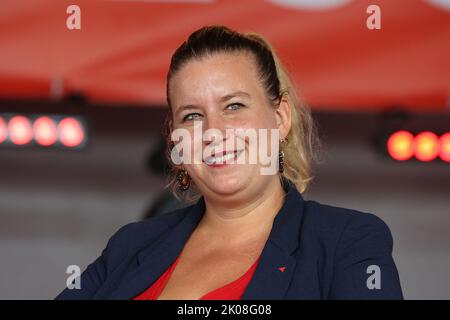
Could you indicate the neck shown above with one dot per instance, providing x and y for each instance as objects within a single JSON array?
[{"x": 245, "y": 220}]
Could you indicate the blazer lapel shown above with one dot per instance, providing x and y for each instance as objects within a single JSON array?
[
  {"x": 272, "y": 275},
  {"x": 277, "y": 265},
  {"x": 154, "y": 260}
]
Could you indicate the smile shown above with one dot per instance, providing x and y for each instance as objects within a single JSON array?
[{"x": 225, "y": 158}]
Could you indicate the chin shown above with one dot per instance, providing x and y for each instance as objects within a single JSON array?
[{"x": 229, "y": 183}]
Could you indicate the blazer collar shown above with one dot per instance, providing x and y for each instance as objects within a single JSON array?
[
  {"x": 272, "y": 275},
  {"x": 276, "y": 267}
]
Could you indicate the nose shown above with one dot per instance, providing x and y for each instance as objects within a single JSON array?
[{"x": 214, "y": 129}]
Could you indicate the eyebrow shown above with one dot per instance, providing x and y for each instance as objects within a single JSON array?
[
  {"x": 234, "y": 94},
  {"x": 222, "y": 99}
]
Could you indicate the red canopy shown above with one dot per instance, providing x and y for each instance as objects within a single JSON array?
[{"x": 122, "y": 52}]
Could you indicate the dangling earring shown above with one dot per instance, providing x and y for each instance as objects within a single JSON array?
[
  {"x": 281, "y": 157},
  {"x": 281, "y": 161},
  {"x": 184, "y": 180}
]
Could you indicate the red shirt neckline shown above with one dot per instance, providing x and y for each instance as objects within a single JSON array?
[{"x": 230, "y": 291}]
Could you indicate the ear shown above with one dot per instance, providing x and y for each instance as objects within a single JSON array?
[
  {"x": 283, "y": 115},
  {"x": 167, "y": 133},
  {"x": 170, "y": 125}
]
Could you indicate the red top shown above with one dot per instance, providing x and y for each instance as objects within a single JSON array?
[{"x": 231, "y": 291}]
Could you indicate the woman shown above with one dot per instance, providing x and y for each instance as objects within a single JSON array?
[{"x": 250, "y": 235}]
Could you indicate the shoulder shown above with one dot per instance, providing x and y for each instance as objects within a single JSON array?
[
  {"x": 358, "y": 248},
  {"x": 341, "y": 221},
  {"x": 344, "y": 231},
  {"x": 120, "y": 249},
  {"x": 135, "y": 235}
]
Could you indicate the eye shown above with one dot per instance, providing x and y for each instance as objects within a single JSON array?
[
  {"x": 191, "y": 116},
  {"x": 234, "y": 106}
]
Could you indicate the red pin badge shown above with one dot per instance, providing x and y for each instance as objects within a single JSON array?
[{"x": 282, "y": 269}]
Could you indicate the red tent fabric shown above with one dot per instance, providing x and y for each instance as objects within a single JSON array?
[{"x": 122, "y": 51}]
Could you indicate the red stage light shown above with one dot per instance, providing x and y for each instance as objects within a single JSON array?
[
  {"x": 426, "y": 146},
  {"x": 3, "y": 130},
  {"x": 71, "y": 132},
  {"x": 445, "y": 147},
  {"x": 45, "y": 132},
  {"x": 400, "y": 145},
  {"x": 20, "y": 131}
]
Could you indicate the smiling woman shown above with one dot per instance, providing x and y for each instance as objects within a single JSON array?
[
  {"x": 228, "y": 80},
  {"x": 249, "y": 235}
]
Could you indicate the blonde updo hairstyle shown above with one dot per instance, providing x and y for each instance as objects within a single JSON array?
[{"x": 302, "y": 138}]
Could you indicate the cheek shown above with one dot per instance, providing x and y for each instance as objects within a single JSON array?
[
  {"x": 261, "y": 118},
  {"x": 267, "y": 139},
  {"x": 264, "y": 117}
]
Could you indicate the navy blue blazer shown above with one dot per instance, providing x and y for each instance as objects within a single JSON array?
[{"x": 327, "y": 253}]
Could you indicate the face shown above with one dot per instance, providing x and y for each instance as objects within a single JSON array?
[{"x": 219, "y": 94}]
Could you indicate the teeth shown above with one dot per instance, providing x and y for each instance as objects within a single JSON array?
[{"x": 222, "y": 159}]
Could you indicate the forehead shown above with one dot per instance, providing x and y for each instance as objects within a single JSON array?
[{"x": 214, "y": 76}]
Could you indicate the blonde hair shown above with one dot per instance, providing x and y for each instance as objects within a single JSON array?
[{"x": 302, "y": 140}]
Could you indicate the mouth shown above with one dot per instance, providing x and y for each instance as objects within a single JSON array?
[{"x": 222, "y": 158}]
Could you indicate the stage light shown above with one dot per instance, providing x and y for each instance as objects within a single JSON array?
[
  {"x": 426, "y": 146},
  {"x": 45, "y": 132},
  {"x": 400, "y": 145},
  {"x": 20, "y": 131},
  {"x": 3, "y": 130},
  {"x": 444, "y": 153},
  {"x": 71, "y": 132}
]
